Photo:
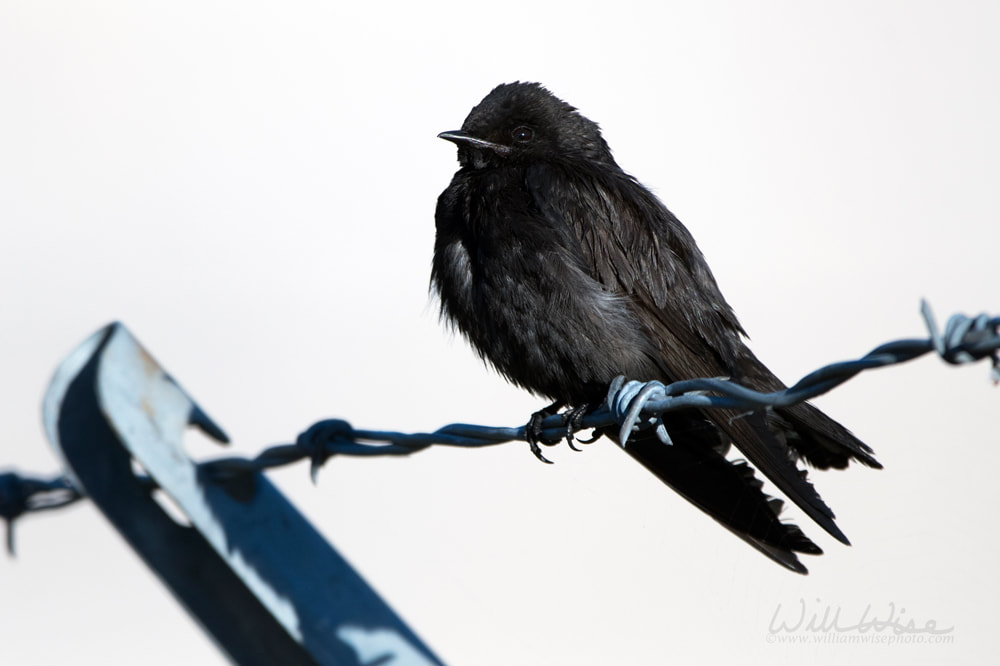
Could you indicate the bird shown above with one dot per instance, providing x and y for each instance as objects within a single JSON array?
[{"x": 564, "y": 272}]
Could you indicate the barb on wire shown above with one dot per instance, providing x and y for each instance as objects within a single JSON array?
[
  {"x": 965, "y": 340},
  {"x": 20, "y": 495},
  {"x": 630, "y": 406}
]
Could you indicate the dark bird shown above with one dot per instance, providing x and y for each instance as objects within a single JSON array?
[{"x": 564, "y": 272}]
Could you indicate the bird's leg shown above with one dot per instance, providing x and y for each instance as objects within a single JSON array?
[
  {"x": 533, "y": 430},
  {"x": 573, "y": 419}
]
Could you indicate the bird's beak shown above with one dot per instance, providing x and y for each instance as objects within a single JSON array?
[{"x": 464, "y": 138}]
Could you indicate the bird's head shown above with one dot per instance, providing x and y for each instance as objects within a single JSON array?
[{"x": 519, "y": 123}]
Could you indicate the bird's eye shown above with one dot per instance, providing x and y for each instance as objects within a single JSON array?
[{"x": 523, "y": 134}]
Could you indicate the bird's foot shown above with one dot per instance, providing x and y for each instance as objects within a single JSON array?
[
  {"x": 533, "y": 430},
  {"x": 573, "y": 419}
]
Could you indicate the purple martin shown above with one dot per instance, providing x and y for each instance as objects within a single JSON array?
[{"x": 564, "y": 272}]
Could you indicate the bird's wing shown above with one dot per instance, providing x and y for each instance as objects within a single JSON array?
[{"x": 629, "y": 242}]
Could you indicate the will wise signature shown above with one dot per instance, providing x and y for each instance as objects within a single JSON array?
[{"x": 826, "y": 618}]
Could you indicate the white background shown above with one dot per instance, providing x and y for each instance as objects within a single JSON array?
[{"x": 250, "y": 187}]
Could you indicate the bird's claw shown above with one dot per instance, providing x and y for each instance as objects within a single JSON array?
[
  {"x": 573, "y": 419},
  {"x": 538, "y": 452},
  {"x": 533, "y": 431}
]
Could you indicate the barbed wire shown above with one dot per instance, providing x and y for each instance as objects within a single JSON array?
[
  {"x": 631, "y": 405},
  {"x": 20, "y": 495}
]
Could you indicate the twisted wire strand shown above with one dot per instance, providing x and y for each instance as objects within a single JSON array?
[{"x": 632, "y": 405}]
